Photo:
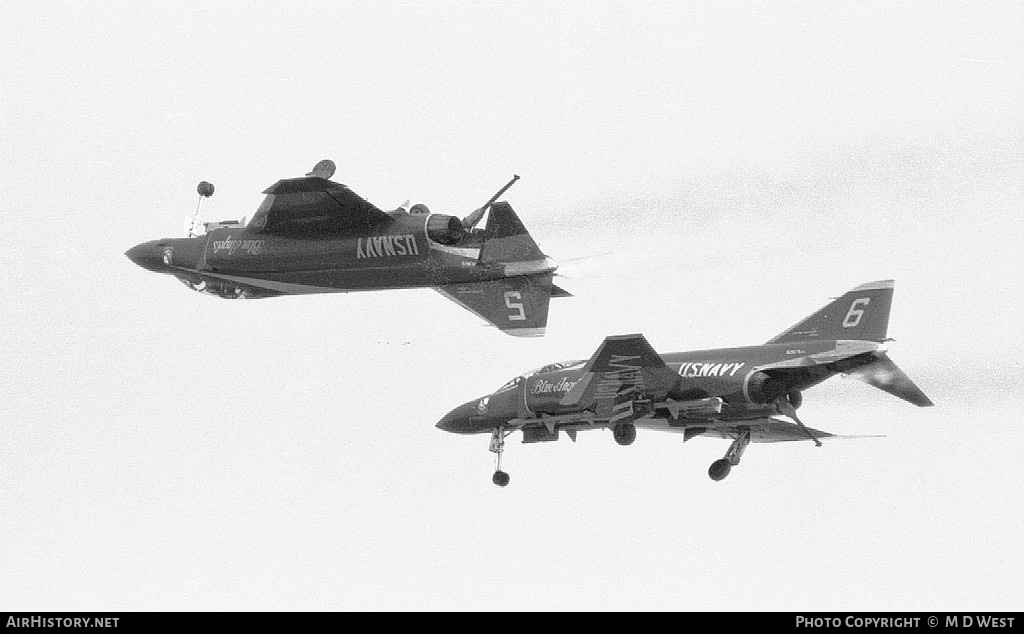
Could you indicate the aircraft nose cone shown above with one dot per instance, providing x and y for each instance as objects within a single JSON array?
[
  {"x": 458, "y": 421},
  {"x": 148, "y": 255},
  {"x": 444, "y": 424}
]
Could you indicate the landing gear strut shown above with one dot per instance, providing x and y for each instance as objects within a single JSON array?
[
  {"x": 721, "y": 467},
  {"x": 498, "y": 446},
  {"x": 787, "y": 405}
]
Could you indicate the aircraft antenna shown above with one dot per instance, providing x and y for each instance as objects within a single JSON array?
[{"x": 205, "y": 190}]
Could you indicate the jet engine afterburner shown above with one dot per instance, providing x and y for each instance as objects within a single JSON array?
[
  {"x": 761, "y": 387},
  {"x": 447, "y": 230}
]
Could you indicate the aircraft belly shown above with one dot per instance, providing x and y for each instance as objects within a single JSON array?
[
  {"x": 371, "y": 278},
  {"x": 330, "y": 281},
  {"x": 341, "y": 280},
  {"x": 292, "y": 266},
  {"x": 657, "y": 424}
]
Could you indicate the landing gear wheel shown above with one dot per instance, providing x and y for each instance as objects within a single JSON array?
[
  {"x": 498, "y": 446},
  {"x": 719, "y": 469},
  {"x": 796, "y": 399},
  {"x": 624, "y": 434}
]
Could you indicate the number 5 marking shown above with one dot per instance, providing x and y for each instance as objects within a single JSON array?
[
  {"x": 855, "y": 313},
  {"x": 520, "y": 314}
]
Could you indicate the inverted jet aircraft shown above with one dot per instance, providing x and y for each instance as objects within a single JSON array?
[
  {"x": 314, "y": 235},
  {"x": 740, "y": 394}
]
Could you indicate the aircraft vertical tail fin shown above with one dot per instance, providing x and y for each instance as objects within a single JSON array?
[
  {"x": 506, "y": 239},
  {"x": 861, "y": 314},
  {"x": 518, "y": 306}
]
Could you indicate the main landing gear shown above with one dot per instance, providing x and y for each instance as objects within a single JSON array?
[
  {"x": 624, "y": 433},
  {"x": 498, "y": 446},
  {"x": 721, "y": 467},
  {"x": 787, "y": 404}
]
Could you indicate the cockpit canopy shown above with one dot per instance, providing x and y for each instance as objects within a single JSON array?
[
  {"x": 195, "y": 228},
  {"x": 561, "y": 365},
  {"x": 551, "y": 367}
]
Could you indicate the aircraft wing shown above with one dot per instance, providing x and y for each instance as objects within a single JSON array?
[
  {"x": 761, "y": 430},
  {"x": 315, "y": 205},
  {"x": 620, "y": 379},
  {"x": 517, "y": 306}
]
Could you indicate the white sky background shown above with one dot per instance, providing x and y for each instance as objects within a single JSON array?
[{"x": 161, "y": 450}]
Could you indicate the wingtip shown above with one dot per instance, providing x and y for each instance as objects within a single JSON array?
[{"x": 525, "y": 332}]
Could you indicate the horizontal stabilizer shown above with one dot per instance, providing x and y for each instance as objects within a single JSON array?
[
  {"x": 886, "y": 376},
  {"x": 518, "y": 306}
]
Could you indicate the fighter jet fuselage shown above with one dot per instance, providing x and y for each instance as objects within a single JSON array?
[
  {"x": 313, "y": 235},
  {"x": 723, "y": 383},
  {"x": 733, "y": 393},
  {"x": 236, "y": 262}
]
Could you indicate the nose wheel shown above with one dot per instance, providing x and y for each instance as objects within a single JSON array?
[{"x": 497, "y": 446}]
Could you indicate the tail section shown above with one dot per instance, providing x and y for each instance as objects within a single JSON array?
[
  {"x": 506, "y": 239},
  {"x": 558, "y": 291},
  {"x": 886, "y": 376},
  {"x": 861, "y": 314},
  {"x": 518, "y": 306}
]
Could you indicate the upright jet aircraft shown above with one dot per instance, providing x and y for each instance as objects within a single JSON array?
[
  {"x": 313, "y": 235},
  {"x": 738, "y": 394}
]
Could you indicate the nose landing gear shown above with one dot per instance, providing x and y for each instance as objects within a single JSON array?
[{"x": 497, "y": 446}]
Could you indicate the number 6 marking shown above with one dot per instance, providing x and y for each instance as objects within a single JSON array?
[
  {"x": 520, "y": 314},
  {"x": 854, "y": 315}
]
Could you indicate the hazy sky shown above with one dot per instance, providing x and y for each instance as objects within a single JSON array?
[{"x": 736, "y": 164}]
